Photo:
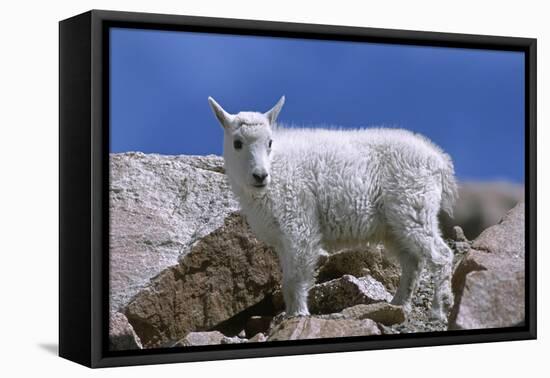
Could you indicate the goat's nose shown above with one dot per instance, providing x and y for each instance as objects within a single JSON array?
[{"x": 259, "y": 177}]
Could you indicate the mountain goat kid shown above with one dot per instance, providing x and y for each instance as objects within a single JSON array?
[{"x": 304, "y": 191}]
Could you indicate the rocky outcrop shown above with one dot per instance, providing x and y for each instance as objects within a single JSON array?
[
  {"x": 489, "y": 282},
  {"x": 186, "y": 270},
  {"x": 369, "y": 261},
  {"x": 121, "y": 334},
  {"x": 314, "y": 328},
  {"x": 225, "y": 273},
  {"x": 358, "y": 262},
  {"x": 336, "y": 295},
  {"x": 159, "y": 206}
]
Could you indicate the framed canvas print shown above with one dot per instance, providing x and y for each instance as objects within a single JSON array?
[{"x": 234, "y": 188}]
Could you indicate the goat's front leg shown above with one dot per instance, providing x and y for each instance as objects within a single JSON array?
[{"x": 298, "y": 262}]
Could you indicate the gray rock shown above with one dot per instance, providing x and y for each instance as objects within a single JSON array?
[
  {"x": 507, "y": 238},
  {"x": 491, "y": 300},
  {"x": 300, "y": 328},
  {"x": 258, "y": 338},
  {"x": 207, "y": 338},
  {"x": 358, "y": 262},
  {"x": 460, "y": 247},
  {"x": 121, "y": 333},
  {"x": 458, "y": 234},
  {"x": 159, "y": 206},
  {"x": 233, "y": 340},
  {"x": 489, "y": 282},
  {"x": 381, "y": 312},
  {"x": 226, "y": 273},
  {"x": 200, "y": 338},
  {"x": 334, "y": 296}
]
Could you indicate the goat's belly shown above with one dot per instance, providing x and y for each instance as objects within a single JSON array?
[
  {"x": 349, "y": 229},
  {"x": 332, "y": 246}
]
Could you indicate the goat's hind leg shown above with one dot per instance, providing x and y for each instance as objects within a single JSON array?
[
  {"x": 414, "y": 224},
  {"x": 441, "y": 264},
  {"x": 411, "y": 266},
  {"x": 428, "y": 247}
]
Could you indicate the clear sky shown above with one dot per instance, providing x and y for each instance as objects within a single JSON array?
[{"x": 470, "y": 102}]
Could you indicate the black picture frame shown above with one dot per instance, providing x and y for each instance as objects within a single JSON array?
[{"x": 83, "y": 181}]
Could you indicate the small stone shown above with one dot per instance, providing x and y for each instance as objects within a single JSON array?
[
  {"x": 334, "y": 296},
  {"x": 233, "y": 340},
  {"x": 258, "y": 338},
  {"x": 200, "y": 338},
  {"x": 458, "y": 234},
  {"x": 367, "y": 261},
  {"x": 462, "y": 247},
  {"x": 388, "y": 330},
  {"x": 382, "y": 312}
]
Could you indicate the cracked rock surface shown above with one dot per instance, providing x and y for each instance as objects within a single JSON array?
[{"x": 159, "y": 207}]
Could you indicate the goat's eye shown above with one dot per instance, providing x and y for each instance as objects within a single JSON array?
[
  {"x": 270, "y": 143},
  {"x": 238, "y": 144}
]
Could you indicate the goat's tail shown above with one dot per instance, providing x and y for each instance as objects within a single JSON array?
[{"x": 449, "y": 188}]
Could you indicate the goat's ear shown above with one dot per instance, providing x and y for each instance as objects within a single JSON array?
[
  {"x": 222, "y": 116},
  {"x": 274, "y": 112}
]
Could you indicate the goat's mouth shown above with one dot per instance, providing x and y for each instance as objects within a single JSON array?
[{"x": 259, "y": 185}]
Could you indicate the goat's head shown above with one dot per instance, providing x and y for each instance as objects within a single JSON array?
[{"x": 247, "y": 144}]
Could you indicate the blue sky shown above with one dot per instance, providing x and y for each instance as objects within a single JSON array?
[{"x": 470, "y": 102}]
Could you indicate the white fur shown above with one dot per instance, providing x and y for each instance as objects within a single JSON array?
[{"x": 330, "y": 189}]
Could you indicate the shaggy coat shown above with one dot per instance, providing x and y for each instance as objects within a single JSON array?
[{"x": 307, "y": 191}]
